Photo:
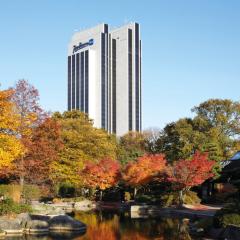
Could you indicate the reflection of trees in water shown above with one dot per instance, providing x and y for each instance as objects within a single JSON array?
[{"x": 120, "y": 227}]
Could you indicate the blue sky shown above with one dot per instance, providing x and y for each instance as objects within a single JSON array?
[{"x": 191, "y": 49}]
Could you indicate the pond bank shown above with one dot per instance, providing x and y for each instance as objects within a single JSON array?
[
  {"x": 39, "y": 224},
  {"x": 189, "y": 211}
]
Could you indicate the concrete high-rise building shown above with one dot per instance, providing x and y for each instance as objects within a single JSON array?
[{"x": 104, "y": 77}]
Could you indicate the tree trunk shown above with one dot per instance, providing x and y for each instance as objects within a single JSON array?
[
  {"x": 22, "y": 180},
  {"x": 135, "y": 192},
  {"x": 101, "y": 195},
  {"x": 181, "y": 198}
]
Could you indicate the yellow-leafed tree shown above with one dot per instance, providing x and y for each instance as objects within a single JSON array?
[{"x": 10, "y": 146}]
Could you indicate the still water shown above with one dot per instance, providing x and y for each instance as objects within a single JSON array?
[{"x": 120, "y": 226}]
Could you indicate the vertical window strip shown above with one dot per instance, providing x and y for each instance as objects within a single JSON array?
[
  {"x": 114, "y": 87},
  {"x": 130, "y": 122},
  {"x": 77, "y": 83},
  {"x": 103, "y": 81},
  {"x": 86, "y": 82},
  {"x": 73, "y": 82},
  {"x": 137, "y": 74},
  {"x": 69, "y": 83},
  {"x": 82, "y": 82}
]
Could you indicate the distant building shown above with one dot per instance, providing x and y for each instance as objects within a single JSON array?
[{"x": 104, "y": 77}]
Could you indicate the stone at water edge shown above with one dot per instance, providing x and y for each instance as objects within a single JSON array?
[
  {"x": 37, "y": 226},
  {"x": 11, "y": 226},
  {"x": 65, "y": 223},
  {"x": 23, "y": 218}
]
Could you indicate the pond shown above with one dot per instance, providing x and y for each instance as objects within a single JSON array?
[{"x": 120, "y": 226}]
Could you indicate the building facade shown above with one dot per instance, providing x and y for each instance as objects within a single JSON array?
[{"x": 104, "y": 77}]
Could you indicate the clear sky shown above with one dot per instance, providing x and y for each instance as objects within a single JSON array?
[{"x": 191, "y": 49}]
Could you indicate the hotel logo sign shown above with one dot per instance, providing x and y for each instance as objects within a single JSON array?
[{"x": 82, "y": 45}]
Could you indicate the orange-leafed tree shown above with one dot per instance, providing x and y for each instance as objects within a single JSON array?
[
  {"x": 144, "y": 170},
  {"x": 101, "y": 175},
  {"x": 10, "y": 146},
  {"x": 43, "y": 147},
  {"x": 185, "y": 174}
]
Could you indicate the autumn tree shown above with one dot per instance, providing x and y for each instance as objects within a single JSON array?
[
  {"x": 10, "y": 146},
  {"x": 188, "y": 173},
  {"x": 101, "y": 175},
  {"x": 144, "y": 170},
  {"x": 43, "y": 147},
  {"x": 82, "y": 143},
  {"x": 26, "y": 99}
]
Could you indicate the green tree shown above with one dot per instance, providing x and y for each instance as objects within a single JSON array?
[
  {"x": 179, "y": 140},
  {"x": 131, "y": 146},
  {"x": 221, "y": 120},
  {"x": 82, "y": 143},
  {"x": 214, "y": 129}
]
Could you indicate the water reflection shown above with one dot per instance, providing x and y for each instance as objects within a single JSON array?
[
  {"x": 112, "y": 226},
  {"x": 115, "y": 226}
]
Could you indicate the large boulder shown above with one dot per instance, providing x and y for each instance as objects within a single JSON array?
[
  {"x": 23, "y": 218},
  {"x": 37, "y": 226},
  {"x": 11, "y": 226},
  {"x": 65, "y": 223}
]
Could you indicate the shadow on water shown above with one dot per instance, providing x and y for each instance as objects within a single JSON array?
[{"x": 120, "y": 226}]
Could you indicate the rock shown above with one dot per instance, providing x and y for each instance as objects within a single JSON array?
[
  {"x": 37, "y": 226},
  {"x": 23, "y": 218},
  {"x": 41, "y": 217},
  {"x": 65, "y": 223},
  {"x": 11, "y": 226},
  {"x": 200, "y": 230},
  {"x": 186, "y": 220},
  {"x": 142, "y": 209},
  {"x": 84, "y": 205}
]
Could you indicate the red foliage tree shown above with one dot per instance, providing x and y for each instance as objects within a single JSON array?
[
  {"x": 144, "y": 170},
  {"x": 42, "y": 149},
  {"x": 185, "y": 174},
  {"x": 101, "y": 175},
  {"x": 26, "y": 99}
]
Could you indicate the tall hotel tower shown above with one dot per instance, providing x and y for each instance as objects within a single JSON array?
[{"x": 104, "y": 77}]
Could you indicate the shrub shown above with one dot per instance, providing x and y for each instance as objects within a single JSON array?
[
  {"x": 66, "y": 190},
  {"x": 143, "y": 199},
  {"x": 172, "y": 198},
  {"x": 8, "y": 206},
  {"x": 57, "y": 200},
  {"x": 127, "y": 196},
  {"x": 230, "y": 214},
  {"x": 169, "y": 199},
  {"x": 31, "y": 192},
  {"x": 191, "y": 198},
  {"x": 232, "y": 218},
  {"x": 75, "y": 199},
  {"x": 11, "y": 191}
]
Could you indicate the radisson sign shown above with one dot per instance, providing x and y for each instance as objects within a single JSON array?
[{"x": 83, "y": 45}]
